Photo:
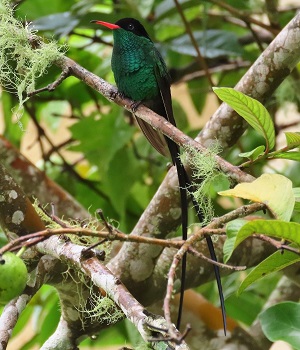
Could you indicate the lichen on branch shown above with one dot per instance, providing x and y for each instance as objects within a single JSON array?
[
  {"x": 204, "y": 172},
  {"x": 23, "y": 56}
]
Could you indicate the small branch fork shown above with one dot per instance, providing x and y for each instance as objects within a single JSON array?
[
  {"x": 240, "y": 212},
  {"x": 246, "y": 18},
  {"x": 215, "y": 227},
  {"x": 151, "y": 327},
  {"x": 279, "y": 245},
  {"x": 51, "y": 87},
  {"x": 32, "y": 239},
  {"x": 200, "y": 59}
]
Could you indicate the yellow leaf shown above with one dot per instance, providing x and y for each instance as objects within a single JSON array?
[{"x": 274, "y": 190}]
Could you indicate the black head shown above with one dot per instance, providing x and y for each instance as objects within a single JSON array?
[{"x": 134, "y": 26}]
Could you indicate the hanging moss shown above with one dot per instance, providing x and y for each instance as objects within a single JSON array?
[
  {"x": 23, "y": 56},
  {"x": 204, "y": 167},
  {"x": 103, "y": 310}
]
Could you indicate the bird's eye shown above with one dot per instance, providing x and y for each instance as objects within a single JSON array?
[{"x": 130, "y": 26}]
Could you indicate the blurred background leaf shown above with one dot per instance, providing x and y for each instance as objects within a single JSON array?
[{"x": 98, "y": 155}]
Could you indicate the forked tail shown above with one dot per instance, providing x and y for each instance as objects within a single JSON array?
[{"x": 184, "y": 183}]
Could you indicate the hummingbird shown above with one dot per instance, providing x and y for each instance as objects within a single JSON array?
[{"x": 141, "y": 74}]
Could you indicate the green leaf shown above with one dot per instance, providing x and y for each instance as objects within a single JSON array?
[
  {"x": 232, "y": 229},
  {"x": 251, "y": 110},
  {"x": 218, "y": 183},
  {"x": 181, "y": 117},
  {"x": 198, "y": 91},
  {"x": 212, "y": 43},
  {"x": 296, "y": 191},
  {"x": 274, "y": 190},
  {"x": 254, "y": 154},
  {"x": 282, "y": 322},
  {"x": 292, "y": 139},
  {"x": 166, "y": 8},
  {"x": 140, "y": 194},
  {"x": 48, "y": 111},
  {"x": 289, "y": 231},
  {"x": 297, "y": 206},
  {"x": 288, "y": 155},
  {"x": 120, "y": 177},
  {"x": 244, "y": 308},
  {"x": 13, "y": 132},
  {"x": 144, "y": 7},
  {"x": 49, "y": 323},
  {"x": 43, "y": 311},
  {"x": 275, "y": 262},
  {"x": 32, "y": 10},
  {"x": 60, "y": 23},
  {"x": 133, "y": 335},
  {"x": 110, "y": 337},
  {"x": 100, "y": 139}
]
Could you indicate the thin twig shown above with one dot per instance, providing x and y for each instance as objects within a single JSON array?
[
  {"x": 68, "y": 166},
  {"x": 112, "y": 234},
  {"x": 51, "y": 87},
  {"x": 80, "y": 231},
  {"x": 202, "y": 63},
  {"x": 216, "y": 223},
  {"x": 227, "y": 67},
  {"x": 245, "y": 17},
  {"x": 94, "y": 38},
  {"x": 217, "y": 263},
  {"x": 255, "y": 36},
  {"x": 176, "y": 338},
  {"x": 57, "y": 147},
  {"x": 109, "y": 227},
  {"x": 277, "y": 244}
]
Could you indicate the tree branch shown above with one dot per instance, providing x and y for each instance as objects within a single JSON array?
[
  {"x": 10, "y": 316},
  {"x": 36, "y": 184},
  {"x": 105, "y": 280},
  {"x": 261, "y": 80}
]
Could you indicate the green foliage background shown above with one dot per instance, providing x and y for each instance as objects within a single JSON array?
[{"x": 117, "y": 170}]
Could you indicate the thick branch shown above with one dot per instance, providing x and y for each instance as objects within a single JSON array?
[
  {"x": 36, "y": 184},
  {"x": 260, "y": 81},
  {"x": 17, "y": 214},
  {"x": 112, "y": 286},
  {"x": 9, "y": 318},
  {"x": 62, "y": 339}
]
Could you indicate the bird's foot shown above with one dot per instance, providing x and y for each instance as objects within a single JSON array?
[
  {"x": 113, "y": 94},
  {"x": 134, "y": 106},
  {"x": 121, "y": 94}
]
